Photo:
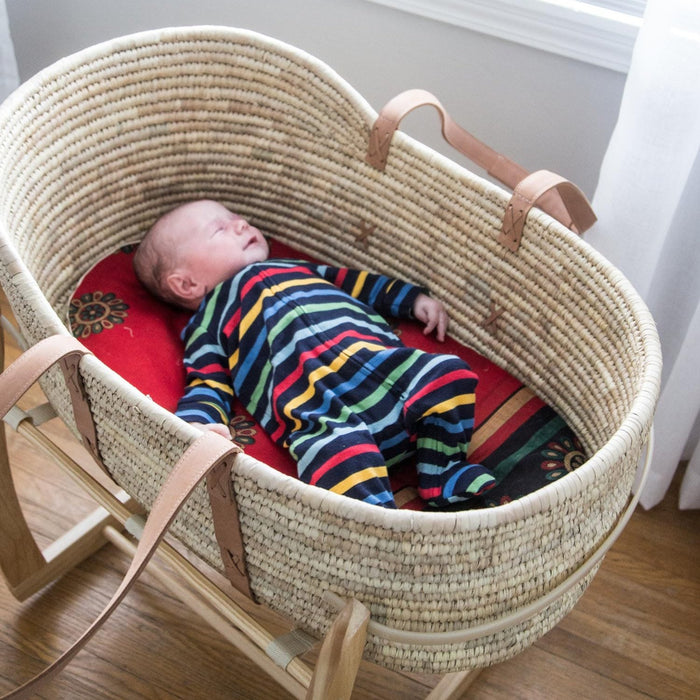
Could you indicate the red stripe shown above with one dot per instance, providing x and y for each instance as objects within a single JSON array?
[
  {"x": 342, "y": 274},
  {"x": 339, "y": 458},
  {"x": 232, "y": 323},
  {"x": 294, "y": 377},
  {"x": 445, "y": 379},
  {"x": 209, "y": 369},
  {"x": 506, "y": 430},
  {"x": 427, "y": 494}
]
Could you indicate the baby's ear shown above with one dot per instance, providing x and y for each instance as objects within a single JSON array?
[{"x": 182, "y": 284}]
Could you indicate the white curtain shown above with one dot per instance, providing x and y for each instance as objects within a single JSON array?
[
  {"x": 8, "y": 65},
  {"x": 648, "y": 206}
]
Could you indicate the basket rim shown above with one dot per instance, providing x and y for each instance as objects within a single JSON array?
[
  {"x": 630, "y": 432},
  {"x": 173, "y": 34}
]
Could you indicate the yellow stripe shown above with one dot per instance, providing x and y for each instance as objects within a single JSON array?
[
  {"x": 365, "y": 475},
  {"x": 359, "y": 283},
  {"x": 248, "y": 320},
  {"x": 250, "y": 317},
  {"x": 224, "y": 418},
  {"x": 504, "y": 413},
  {"x": 321, "y": 372},
  {"x": 226, "y": 388},
  {"x": 449, "y": 404}
]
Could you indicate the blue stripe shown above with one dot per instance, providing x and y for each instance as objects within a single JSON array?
[
  {"x": 396, "y": 306},
  {"x": 377, "y": 289},
  {"x": 199, "y": 416}
]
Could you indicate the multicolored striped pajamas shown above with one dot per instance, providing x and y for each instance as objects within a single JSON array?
[{"x": 307, "y": 351}]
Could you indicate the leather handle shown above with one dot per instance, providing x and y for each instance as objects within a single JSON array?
[
  {"x": 539, "y": 187},
  {"x": 390, "y": 116},
  {"x": 206, "y": 453},
  {"x": 66, "y": 351},
  {"x": 31, "y": 364},
  {"x": 579, "y": 217},
  {"x": 209, "y": 453}
]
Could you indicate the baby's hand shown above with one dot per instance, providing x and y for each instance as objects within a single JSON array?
[
  {"x": 431, "y": 312},
  {"x": 219, "y": 428}
]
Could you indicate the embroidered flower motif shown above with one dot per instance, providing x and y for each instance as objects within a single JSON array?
[
  {"x": 492, "y": 503},
  {"x": 93, "y": 313},
  {"x": 242, "y": 430},
  {"x": 562, "y": 457}
]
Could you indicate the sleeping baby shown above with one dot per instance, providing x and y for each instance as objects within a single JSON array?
[{"x": 306, "y": 349}]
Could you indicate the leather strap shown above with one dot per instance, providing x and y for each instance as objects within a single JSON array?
[
  {"x": 204, "y": 454},
  {"x": 69, "y": 364},
  {"x": 210, "y": 452},
  {"x": 495, "y": 164},
  {"x": 227, "y": 527},
  {"x": 537, "y": 186},
  {"x": 26, "y": 370}
]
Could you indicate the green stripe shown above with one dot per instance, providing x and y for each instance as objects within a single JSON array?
[
  {"x": 545, "y": 433},
  {"x": 210, "y": 307},
  {"x": 372, "y": 399},
  {"x": 203, "y": 327},
  {"x": 333, "y": 306},
  {"x": 257, "y": 393}
]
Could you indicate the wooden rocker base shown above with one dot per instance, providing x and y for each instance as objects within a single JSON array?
[{"x": 27, "y": 569}]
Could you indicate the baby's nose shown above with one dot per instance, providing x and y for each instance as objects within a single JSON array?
[{"x": 240, "y": 225}]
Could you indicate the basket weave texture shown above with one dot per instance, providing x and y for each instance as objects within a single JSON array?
[{"x": 94, "y": 148}]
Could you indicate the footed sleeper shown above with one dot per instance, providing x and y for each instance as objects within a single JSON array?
[{"x": 307, "y": 351}]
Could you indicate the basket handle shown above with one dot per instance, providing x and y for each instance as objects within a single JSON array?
[
  {"x": 209, "y": 455},
  {"x": 571, "y": 209},
  {"x": 205, "y": 454},
  {"x": 67, "y": 352}
]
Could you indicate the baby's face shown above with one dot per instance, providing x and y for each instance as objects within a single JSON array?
[{"x": 217, "y": 242}]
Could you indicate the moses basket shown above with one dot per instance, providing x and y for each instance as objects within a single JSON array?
[{"x": 94, "y": 148}]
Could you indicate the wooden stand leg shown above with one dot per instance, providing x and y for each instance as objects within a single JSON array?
[
  {"x": 26, "y": 568},
  {"x": 340, "y": 656},
  {"x": 20, "y": 558}
]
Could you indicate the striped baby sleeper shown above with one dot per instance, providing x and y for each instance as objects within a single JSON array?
[{"x": 307, "y": 351}]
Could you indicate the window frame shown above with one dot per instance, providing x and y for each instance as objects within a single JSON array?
[{"x": 583, "y": 31}]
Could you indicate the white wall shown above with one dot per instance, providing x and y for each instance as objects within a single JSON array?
[{"x": 542, "y": 110}]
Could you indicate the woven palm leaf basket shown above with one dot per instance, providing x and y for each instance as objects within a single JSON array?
[{"x": 94, "y": 148}]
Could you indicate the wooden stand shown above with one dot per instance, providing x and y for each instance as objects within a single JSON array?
[{"x": 27, "y": 569}]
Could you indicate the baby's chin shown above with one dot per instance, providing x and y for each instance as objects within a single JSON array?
[{"x": 261, "y": 251}]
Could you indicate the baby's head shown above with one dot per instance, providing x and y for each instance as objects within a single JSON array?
[{"x": 194, "y": 247}]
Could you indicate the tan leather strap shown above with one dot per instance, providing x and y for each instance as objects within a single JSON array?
[
  {"x": 210, "y": 452},
  {"x": 495, "y": 164},
  {"x": 26, "y": 370},
  {"x": 81, "y": 408},
  {"x": 204, "y": 454},
  {"x": 538, "y": 186},
  {"x": 227, "y": 527}
]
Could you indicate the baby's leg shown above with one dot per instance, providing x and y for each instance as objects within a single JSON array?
[
  {"x": 342, "y": 457},
  {"x": 442, "y": 412}
]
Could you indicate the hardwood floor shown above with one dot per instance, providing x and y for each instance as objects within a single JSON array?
[{"x": 634, "y": 634}]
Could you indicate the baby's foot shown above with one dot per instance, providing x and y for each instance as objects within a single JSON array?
[{"x": 462, "y": 482}]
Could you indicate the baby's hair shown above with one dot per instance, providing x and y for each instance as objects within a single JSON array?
[{"x": 153, "y": 260}]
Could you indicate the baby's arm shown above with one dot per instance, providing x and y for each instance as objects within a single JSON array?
[
  {"x": 208, "y": 392},
  {"x": 391, "y": 297},
  {"x": 432, "y": 313}
]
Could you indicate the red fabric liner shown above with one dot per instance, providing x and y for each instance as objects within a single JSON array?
[{"x": 139, "y": 338}]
